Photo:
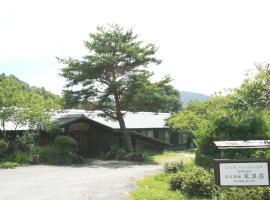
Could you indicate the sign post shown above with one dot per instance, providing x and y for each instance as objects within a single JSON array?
[{"x": 242, "y": 172}]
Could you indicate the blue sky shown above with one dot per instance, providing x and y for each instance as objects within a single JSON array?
[{"x": 206, "y": 46}]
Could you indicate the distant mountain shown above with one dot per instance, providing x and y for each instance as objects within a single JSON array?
[{"x": 186, "y": 97}]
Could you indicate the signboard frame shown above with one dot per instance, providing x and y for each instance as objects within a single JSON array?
[{"x": 217, "y": 163}]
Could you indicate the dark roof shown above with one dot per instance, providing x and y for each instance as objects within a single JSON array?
[{"x": 246, "y": 144}]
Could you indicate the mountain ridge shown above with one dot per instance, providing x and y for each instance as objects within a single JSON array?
[{"x": 187, "y": 96}]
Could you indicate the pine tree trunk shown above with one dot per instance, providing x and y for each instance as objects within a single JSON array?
[
  {"x": 119, "y": 116},
  {"x": 126, "y": 135}
]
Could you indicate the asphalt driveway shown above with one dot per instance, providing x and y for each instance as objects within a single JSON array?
[{"x": 106, "y": 180}]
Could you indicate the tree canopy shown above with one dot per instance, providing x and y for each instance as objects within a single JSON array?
[
  {"x": 23, "y": 105},
  {"x": 242, "y": 114},
  {"x": 146, "y": 96},
  {"x": 254, "y": 91},
  {"x": 112, "y": 75}
]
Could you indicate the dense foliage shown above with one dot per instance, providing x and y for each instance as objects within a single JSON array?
[
  {"x": 146, "y": 96},
  {"x": 228, "y": 125},
  {"x": 64, "y": 151},
  {"x": 196, "y": 182},
  {"x": 112, "y": 76},
  {"x": 23, "y": 106},
  {"x": 242, "y": 114},
  {"x": 118, "y": 153}
]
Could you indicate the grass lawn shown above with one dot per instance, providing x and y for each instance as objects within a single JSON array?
[
  {"x": 169, "y": 156},
  {"x": 157, "y": 187},
  {"x": 8, "y": 165},
  {"x": 154, "y": 188}
]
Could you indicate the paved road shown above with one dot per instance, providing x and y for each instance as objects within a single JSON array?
[{"x": 106, "y": 180}]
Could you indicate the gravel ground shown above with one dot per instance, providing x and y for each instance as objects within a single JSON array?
[{"x": 104, "y": 180}]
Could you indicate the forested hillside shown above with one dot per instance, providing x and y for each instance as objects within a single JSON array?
[{"x": 26, "y": 87}]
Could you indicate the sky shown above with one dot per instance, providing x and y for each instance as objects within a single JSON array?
[{"x": 205, "y": 46}]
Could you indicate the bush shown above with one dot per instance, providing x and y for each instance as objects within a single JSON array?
[
  {"x": 23, "y": 157},
  {"x": 26, "y": 142},
  {"x": 49, "y": 154},
  {"x": 176, "y": 181},
  {"x": 3, "y": 149},
  {"x": 64, "y": 151},
  {"x": 135, "y": 156},
  {"x": 195, "y": 182},
  {"x": 247, "y": 193},
  {"x": 116, "y": 153},
  {"x": 121, "y": 154},
  {"x": 173, "y": 166},
  {"x": 65, "y": 142}
]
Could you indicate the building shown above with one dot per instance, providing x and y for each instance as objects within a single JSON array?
[{"x": 96, "y": 134}]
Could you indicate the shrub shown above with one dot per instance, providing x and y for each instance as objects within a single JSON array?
[
  {"x": 49, "y": 154},
  {"x": 121, "y": 154},
  {"x": 23, "y": 157},
  {"x": 3, "y": 149},
  {"x": 116, "y": 153},
  {"x": 135, "y": 156},
  {"x": 247, "y": 193},
  {"x": 26, "y": 142},
  {"x": 64, "y": 151},
  {"x": 173, "y": 166},
  {"x": 195, "y": 182},
  {"x": 176, "y": 181},
  {"x": 66, "y": 143}
]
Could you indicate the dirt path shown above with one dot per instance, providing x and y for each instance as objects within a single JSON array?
[{"x": 106, "y": 180}]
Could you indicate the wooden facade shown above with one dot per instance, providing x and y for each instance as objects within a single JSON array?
[{"x": 96, "y": 139}]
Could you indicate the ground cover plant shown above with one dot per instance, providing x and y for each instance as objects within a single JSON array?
[
  {"x": 121, "y": 154},
  {"x": 8, "y": 165},
  {"x": 154, "y": 187}
]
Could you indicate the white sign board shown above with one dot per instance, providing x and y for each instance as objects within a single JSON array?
[{"x": 243, "y": 173}]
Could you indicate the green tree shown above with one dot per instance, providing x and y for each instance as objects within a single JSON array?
[
  {"x": 105, "y": 73},
  {"x": 10, "y": 91},
  {"x": 24, "y": 106},
  {"x": 189, "y": 119},
  {"x": 254, "y": 91},
  {"x": 34, "y": 111},
  {"x": 146, "y": 96},
  {"x": 228, "y": 125}
]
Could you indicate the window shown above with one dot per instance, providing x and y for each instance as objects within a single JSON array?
[
  {"x": 185, "y": 138},
  {"x": 150, "y": 133},
  {"x": 180, "y": 139}
]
